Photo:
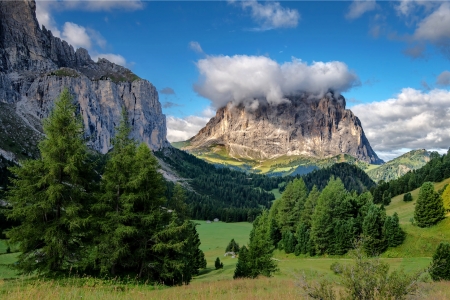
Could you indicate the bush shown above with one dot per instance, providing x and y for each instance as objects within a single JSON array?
[
  {"x": 218, "y": 264},
  {"x": 440, "y": 266},
  {"x": 407, "y": 197},
  {"x": 336, "y": 268}
]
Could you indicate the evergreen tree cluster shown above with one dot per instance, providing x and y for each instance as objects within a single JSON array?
[
  {"x": 353, "y": 178},
  {"x": 436, "y": 170},
  {"x": 231, "y": 196},
  {"x": 328, "y": 222},
  {"x": 72, "y": 220}
]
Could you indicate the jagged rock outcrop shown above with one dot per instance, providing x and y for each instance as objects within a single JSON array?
[
  {"x": 35, "y": 67},
  {"x": 303, "y": 126}
]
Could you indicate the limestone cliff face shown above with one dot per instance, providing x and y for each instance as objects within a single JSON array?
[
  {"x": 35, "y": 66},
  {"x": 303, "y": 126}
]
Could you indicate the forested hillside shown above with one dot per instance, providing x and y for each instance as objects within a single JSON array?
[
  {"x": 229, "y": 195},
  {"x": 437, "y": 169},
  {"x": 353, "y": 178}
]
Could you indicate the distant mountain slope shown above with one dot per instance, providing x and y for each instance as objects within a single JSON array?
[{"x": 399, "y": 166}]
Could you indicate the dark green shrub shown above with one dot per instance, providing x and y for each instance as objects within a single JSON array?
[{"x": 440, "y": 266}]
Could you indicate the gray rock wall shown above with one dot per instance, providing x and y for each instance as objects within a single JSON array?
[{"x": 35, "y": 67}]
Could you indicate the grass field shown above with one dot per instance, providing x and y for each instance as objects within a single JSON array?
[{"x": 413, "y": 255}]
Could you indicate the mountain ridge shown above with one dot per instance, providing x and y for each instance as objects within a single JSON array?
[{"x": 35, "y": 67}]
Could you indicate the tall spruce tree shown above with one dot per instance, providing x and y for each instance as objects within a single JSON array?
[
  {"x": 292, "y": 202},
  {"x": 393, "y": 233},
  {"x": 322, "y": 229},
  {"x": 50, "y": 196},
  {"x": 242, "y": 267},
  {"x": 429, "y": 208},
  {"x": 310, "y": 205},
  {"x": 440, "y": 265},
  {"x": 374, "y": 241},
  {"x": 260, "y": 249}
]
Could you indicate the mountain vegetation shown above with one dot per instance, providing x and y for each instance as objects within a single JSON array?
[
  {"x": 353, "y": 178},
  {"x": 327, "y": 222},
  {"x": 73, "y": 221},
  {"x": 399, "y": 166},
  {"x": 437, "y": 169}
]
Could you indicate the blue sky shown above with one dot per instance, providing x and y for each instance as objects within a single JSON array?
[{"x": 390, "y": 60}]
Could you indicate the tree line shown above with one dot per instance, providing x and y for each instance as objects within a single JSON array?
[
  {"x": 353, "y": 178},
  {"x": 114, "y": 223}
]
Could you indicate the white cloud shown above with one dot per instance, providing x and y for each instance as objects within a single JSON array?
[
  {"x": 412, "y": 120},
  {"x": 435, "y": 27},
  {"x": 76, "y": 35},
  {"x": 271, "y": 14},
  {"x": 181, "y": 129},
  {"x": 359, "y": 7},
  {"x": 243, "y": 78},
  {"x": 80, "y": 36},
  {"x": 195, "y": 46},
  {"x": 115, "y": 58},
  {"x": 45, "y": 18},
  {"x": 443, "y": 79}
]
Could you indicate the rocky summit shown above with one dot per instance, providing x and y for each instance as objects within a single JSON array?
[
  {"x": 35, "y": 67},
  {"x": 302, "y": 126}
]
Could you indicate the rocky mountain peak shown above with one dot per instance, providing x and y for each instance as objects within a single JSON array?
[
  {"x": 302, "y": 126},
  {"x": 36, "y": 66}
]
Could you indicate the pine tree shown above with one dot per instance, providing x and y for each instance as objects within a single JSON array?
[
  {"x": 232, "y": 247},
  {"x": 51, "y": 195},
  {"x": 242, "y": 267},
  {"x": 310, "y": 205},
  {"x": 178, "y": 202},
  {"x": 322, "y": 230},
  {"x": 303, "y": 238},
  {"x": 393, "y": 233},
  {"x": 218, "y": 264},
  {"x": 429, "y": 208},
  {"x": 374, "y": 241},
  {"x": 291, "y": 204},
  {"x": 260, "y": 248},
  {"x": 440, "y": 265}
]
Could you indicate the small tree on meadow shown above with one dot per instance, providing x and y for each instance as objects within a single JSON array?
[
  {"x": 232, "y": 247},
  {"x": 429, "y": 208},
  {"x": 393, "y": 233},
  {"x": 218, "y": 264},
  {"x": 446, "y": 198},
  {"x": 407, "y": 197},
  {"x": 440, "y": 266}
]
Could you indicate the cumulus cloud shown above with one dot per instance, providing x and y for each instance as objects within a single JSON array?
[
  {"x": 78, "y": 35},
  {"x": 412, "y": 120},
  {"x": 195, "y": 46},
  {"x": 271, "y": 15},
  {"x": 443, "y": 79},
  {"x": 181, "y": 129},
  {"x": 242, "y": 79},
  {"x": 433, "y": 29},
  {"x": 360, "y": 7}
]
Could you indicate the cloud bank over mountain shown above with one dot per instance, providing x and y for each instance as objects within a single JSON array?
[
  {"x": 412, "y": 120},
  {"x": 242, "y": 79}
]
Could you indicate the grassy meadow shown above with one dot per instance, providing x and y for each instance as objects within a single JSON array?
[{"x": 415, "y": 254}]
